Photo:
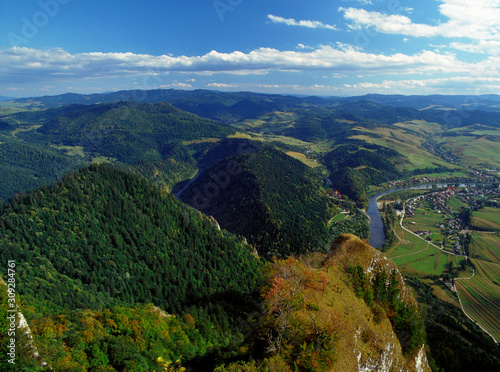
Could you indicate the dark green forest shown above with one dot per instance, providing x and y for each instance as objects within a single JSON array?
[
  {"x": 284, "y": 211},
  {"x": 145, "y": 138},
  {"x": 101, "y": 238},
  {"x": 75, "y": 242}
]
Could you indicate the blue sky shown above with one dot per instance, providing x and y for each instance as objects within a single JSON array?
[{"x": 318, "y": 47}]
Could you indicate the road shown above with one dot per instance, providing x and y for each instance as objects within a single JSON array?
[{"x": 443, "y": 251}]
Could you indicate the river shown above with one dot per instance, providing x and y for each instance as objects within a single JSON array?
[{"x": 377, "y": 235}]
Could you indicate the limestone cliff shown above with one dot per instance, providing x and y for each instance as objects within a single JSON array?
[
  {"x": 349, "y": 310},
  {"x": 369, "y": 335}
]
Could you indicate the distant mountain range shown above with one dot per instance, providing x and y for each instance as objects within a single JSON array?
[{"x": 229, "y": 107}]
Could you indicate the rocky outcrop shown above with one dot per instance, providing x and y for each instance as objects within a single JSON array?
[{"x": 375, "y": 345}]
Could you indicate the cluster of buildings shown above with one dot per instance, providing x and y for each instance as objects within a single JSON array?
[
  {"x": 438, "y": 200},
  {"x": 451, "y": 223}
]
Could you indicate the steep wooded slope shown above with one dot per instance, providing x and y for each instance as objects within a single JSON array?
[
  {"x": 102, "y": 237},
  {"x": 268, "y": 197}
]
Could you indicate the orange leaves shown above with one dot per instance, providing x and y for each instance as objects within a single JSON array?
[
  {"x": 188, "y": 318},
  {"x": 287, "y": 280},
  {"x": 276, "y": 293},
  {"x": 323, "y": 279}
]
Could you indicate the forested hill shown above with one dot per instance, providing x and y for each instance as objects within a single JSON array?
[
  {"x": 102, "y": 237},
  {"x": 355, "y": 165},
  {"x": 39, "y": 147},
  {"x": 127, "y": 131},
  {"x": 268, "y": 197}
]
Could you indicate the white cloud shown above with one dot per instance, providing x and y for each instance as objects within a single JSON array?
[
  {"x": 390, "y": 24},
  {"x": 24, "y": 64},
  {"x": 477, "y": 21},
  {"x": 302, "y": 46},
  {"x": 176, "y": 85},
  {"x": 491, "y": 47},
  {"x": 448, "y": 85},
  {"x": 293, "y": 22},
  {"x": 221, "y": 85},
  {"x": 31, "y": 66}
]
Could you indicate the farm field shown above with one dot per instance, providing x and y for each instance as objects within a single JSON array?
[
  {"x": 71, "y": 150},
  {"x": 444, "y": 175},
  {"x": 456, "y": 204},
  {"x": 24, "y": 129},
  {"x": 440, "y": 290},
  {"x": 303, "y": 158},
  {"x": 473, "y": 147},
  {"x": 426, "y": 219},
  {"x": 481, "y": 296},
  {"x": 417, "y": 157},
  {"x": 487, "y": 218},
  {"x": 413, "y": 256},
  {"x": 275, "y": 119},
  {"x": 339, "y": 217},
  {"x": 485, "y": 246}
]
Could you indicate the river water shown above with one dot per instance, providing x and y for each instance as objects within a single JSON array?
[{"x": 377, "y": 235}]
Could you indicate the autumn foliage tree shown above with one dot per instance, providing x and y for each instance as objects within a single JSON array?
[{"x": 295, "y": 330}]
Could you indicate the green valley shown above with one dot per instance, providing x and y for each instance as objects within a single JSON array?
[{"x": 168, "y": 230}]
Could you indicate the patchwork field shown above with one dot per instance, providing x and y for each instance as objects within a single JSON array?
[
  {"x": 415, "y": 256},
  {"x": 276, "y": 119},
  {"x": 474, "y": 145},
  {"x": 426, "y": 219},
  {"x": 481, "y": 296},
  {"x": 485, "y": 246},
  {"x": 487, "y": 218},
  {"x": 407, "y": 145}
]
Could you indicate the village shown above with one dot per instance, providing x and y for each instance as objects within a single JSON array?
[{"x": 439, "y": 217}]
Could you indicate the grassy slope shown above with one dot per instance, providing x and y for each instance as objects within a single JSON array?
[
  {"x": 485, "y": 246},
  {"x": 474, "y": 145},
  {"x": 361, "y": 338},
  {"x": 487, "y": 218},
  {"x": 481, "y": 296}
]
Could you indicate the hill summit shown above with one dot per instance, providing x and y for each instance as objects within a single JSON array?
[{"x": 266, "y": 196}]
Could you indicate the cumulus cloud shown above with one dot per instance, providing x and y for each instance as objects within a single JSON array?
[
  {"x": 491, "y": 47},
  {"x": 478, "y": 21},
  {"x": 467, "y": 85},
  {"x": 293, "y": 22},
  {"x": 221, "y": 85},
  {"x": 25, "y": 65}
]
